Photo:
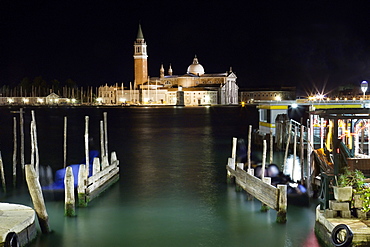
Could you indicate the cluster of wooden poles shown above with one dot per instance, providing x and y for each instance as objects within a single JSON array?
[
  {"x": 3, "y": 182},
  {"x": 31, "y": 171}
]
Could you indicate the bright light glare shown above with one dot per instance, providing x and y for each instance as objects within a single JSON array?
[
  {"x": 320, "y": 96},
  {"x": 294, "y": 105}
]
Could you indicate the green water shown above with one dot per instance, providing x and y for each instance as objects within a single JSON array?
[{"x": 172, "y": 189}]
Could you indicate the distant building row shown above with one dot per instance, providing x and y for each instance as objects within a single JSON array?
[{"x": 51, "y": 99}]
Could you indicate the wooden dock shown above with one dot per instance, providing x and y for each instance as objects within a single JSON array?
[
  {"x": 90, "y": 187},
  {"x": 325, "y": 226},
  {"x": 17, "y": 224},
  {"x": 275, "y": 198},
  {"x": 270, "y": 196}
]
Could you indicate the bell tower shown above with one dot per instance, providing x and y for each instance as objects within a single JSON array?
[{"x": 140, "y": 59}]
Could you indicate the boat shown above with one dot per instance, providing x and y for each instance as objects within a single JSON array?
[
  {"x": 296, "y": 193},
  {"x": 54, "y": 188}
]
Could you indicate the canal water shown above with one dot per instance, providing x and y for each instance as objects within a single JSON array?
[{"x": 172, "y": 189}]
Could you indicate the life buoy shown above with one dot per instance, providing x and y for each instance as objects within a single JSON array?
[
  {"x": 338, "y": 238},
  {"x": 11, "y": 240}
]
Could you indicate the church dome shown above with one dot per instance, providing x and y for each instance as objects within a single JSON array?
[{"x": 195, "y": 68}]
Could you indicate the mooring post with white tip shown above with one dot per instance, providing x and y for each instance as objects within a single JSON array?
[
  {"x": 69, "y": 193},
  {"x": 81, "y": 187}
]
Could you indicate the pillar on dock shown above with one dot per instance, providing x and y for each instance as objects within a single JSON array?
[{"x": 96, "y": 166}]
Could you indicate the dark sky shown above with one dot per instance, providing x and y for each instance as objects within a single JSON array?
[{"x": 310, "y": 43}]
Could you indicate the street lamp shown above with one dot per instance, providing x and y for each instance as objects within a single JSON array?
[{"x": 364, "y": 85}]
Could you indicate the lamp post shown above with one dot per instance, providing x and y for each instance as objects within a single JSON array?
[{"x": 364, "y": 85}]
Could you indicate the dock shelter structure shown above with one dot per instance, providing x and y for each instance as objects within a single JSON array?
[
  {"x": 344, "y": 142},
  {"x": 336, "y": 139},
  {"x": 270, "y": 110}
]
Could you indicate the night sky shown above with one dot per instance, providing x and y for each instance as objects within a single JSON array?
[{"x": 310, "y": 44}]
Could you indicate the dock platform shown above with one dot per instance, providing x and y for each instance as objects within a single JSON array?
[
  {"x": 324, "y": 227},
  {"x": 17, "y": 224}
]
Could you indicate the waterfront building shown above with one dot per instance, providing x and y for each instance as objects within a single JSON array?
[
  {"x": 201, "y": 88},
  {"x": 195, "y": 87},
  {"x": 51, "y": 99},
  {"x": 267, "y": 94}
]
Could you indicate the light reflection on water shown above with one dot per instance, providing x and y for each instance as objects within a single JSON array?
[{"x": 172, "y": 189}]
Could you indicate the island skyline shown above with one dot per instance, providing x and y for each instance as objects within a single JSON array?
[{"x": 309, "y": 44}]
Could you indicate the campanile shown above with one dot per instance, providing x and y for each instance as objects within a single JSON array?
[{"x": 140, "y": 59}]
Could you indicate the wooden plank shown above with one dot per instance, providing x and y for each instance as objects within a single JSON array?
[
  {"x": 264, "y": 192},
  {"x": 100, "y": 182},
  {"x": 240, "y": 174},
  {"x": 100, "y": 174}
]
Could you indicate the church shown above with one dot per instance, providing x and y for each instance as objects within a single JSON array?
[{"x": 195, "y": 87}]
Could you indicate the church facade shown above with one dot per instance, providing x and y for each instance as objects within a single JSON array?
[{"x": 195, "y": 87}]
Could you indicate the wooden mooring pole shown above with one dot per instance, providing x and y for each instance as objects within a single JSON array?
[
  {"x": 2, "y": 173},
  {"x": 233, "y": 150},
  {"x": 14, "y": 151},
  {"x": 287, "y": 146},
  {"x": 87, "y": 145},
  {"x": 69, "y": 199},
  {"x": 105, "y": 133},
  {"x": 34, "y": 188},
  {"x": 264, "y": 207},
  {"x": 21, "y": 124},
  {"x": 102, "y": 152},
  {"x": 65, "y": 143},
  {"x": 34, "y": 129},
  {"x": 301, "y": 141},
  {"x": 249, "y": 146},
  {"x": 281, "y": 214},
  {"x": 294, "y": 152},
  {"x": 81, "y": 187},
  {"x": 271, "y": 147}
]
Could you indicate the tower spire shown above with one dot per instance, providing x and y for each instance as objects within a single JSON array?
[
  {"x": 170, "y": 70},
  {"x": 139, "y": 33},
  {"x": 161, "y": 71}
]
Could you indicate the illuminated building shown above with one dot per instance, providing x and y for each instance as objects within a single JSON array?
[{"x": 195, "y": 87}]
